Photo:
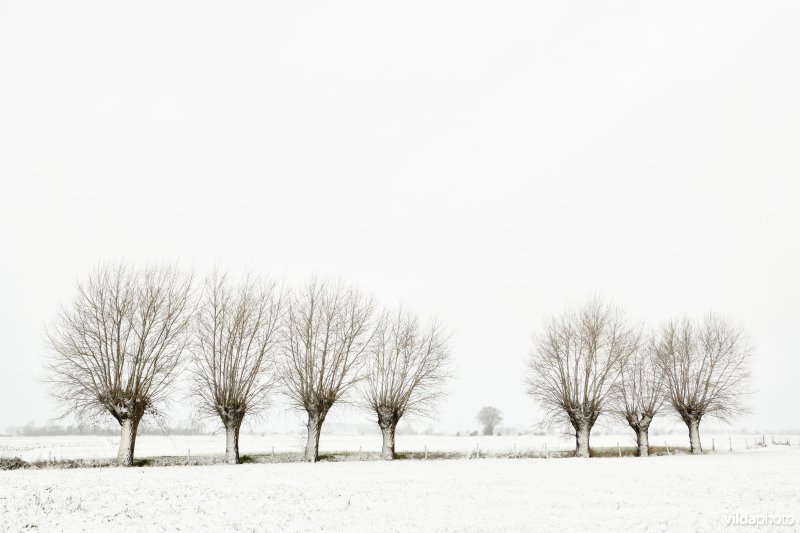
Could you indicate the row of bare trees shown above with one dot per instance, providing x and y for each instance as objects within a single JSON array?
[
  {"x": 593, "y": 360},
  {"x": 128, "y": 334},
  {"x": 121, "y": 344}
]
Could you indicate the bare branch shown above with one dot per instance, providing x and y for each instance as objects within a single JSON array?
[
  {"x": 117, "y": 348},
  {"x": 406, "y": 366},
  {"x": 706, "y": 368},
  {"x": 233, "y": 354},
  {"x": 328, "y": 330},
  {"x": 575, "y": 363}
]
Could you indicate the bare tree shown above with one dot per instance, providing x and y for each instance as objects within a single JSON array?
[
  {"x": 641, "y": 392},
  {"x": 117, "y": 348},
  {"x": 233, "y": 353},
  {"x": 328, "y": 330},
  {"x": 489, "y": 417},
  {"x": 406, "y": 366},
  {"x": 706, "y": 370},
  {"x": 574, "y": 365}
]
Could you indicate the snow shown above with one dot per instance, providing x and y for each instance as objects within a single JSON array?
[
  {"x": 674, "y": 493},
  {"x": 103, "y": 447}
]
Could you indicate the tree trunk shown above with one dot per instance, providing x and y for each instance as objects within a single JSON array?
[
  {"x": 582, "y": 440},
  {"x": 642, "y": 441},
  {"x": 641, "y": 426},
  {"x": 387, "y": 421},
  {"x": 127, "y": 441},
  {"x": 387, "y": 452},
  {"x": 232, "y": 442},
  {"x": 314, "y": 426},
  {"x": 694, "y": 435}
]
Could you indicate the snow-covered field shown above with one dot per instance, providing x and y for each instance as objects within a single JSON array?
[
  {"x": 667, "y": 493},
  {"x": 103, "y": 447}
]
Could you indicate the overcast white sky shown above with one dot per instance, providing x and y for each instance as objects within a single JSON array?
[{"x": 487, "y": 162}]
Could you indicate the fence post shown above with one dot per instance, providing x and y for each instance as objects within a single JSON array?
[
  {"x": 426, "y": 451},
  {"x": 546, "y": 455},
  {"x": 730, "y": 444},
  {"x": 713, "y": 446},
  {"x": 619, "y": 451},
  {"x": 667, "y": 447},
  {"x": 273, "y": 452}
]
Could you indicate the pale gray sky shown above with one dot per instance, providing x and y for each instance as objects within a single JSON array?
[{"x": 487, "y": 162}]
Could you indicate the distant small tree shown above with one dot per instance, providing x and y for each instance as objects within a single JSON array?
[
  {"x": 489, "y": 417},
  {"x": 641, "y": 391},
  {"x": 406, "y": 366},
  {"x": 706, "y": 368},
  {"x": 234, "y": 365},
  {"x": 117, "y": 348}
]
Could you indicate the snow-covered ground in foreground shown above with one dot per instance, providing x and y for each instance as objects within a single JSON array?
[
  {"x": 667, "y": 493},
  {"x": 103, "y": 447}
]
